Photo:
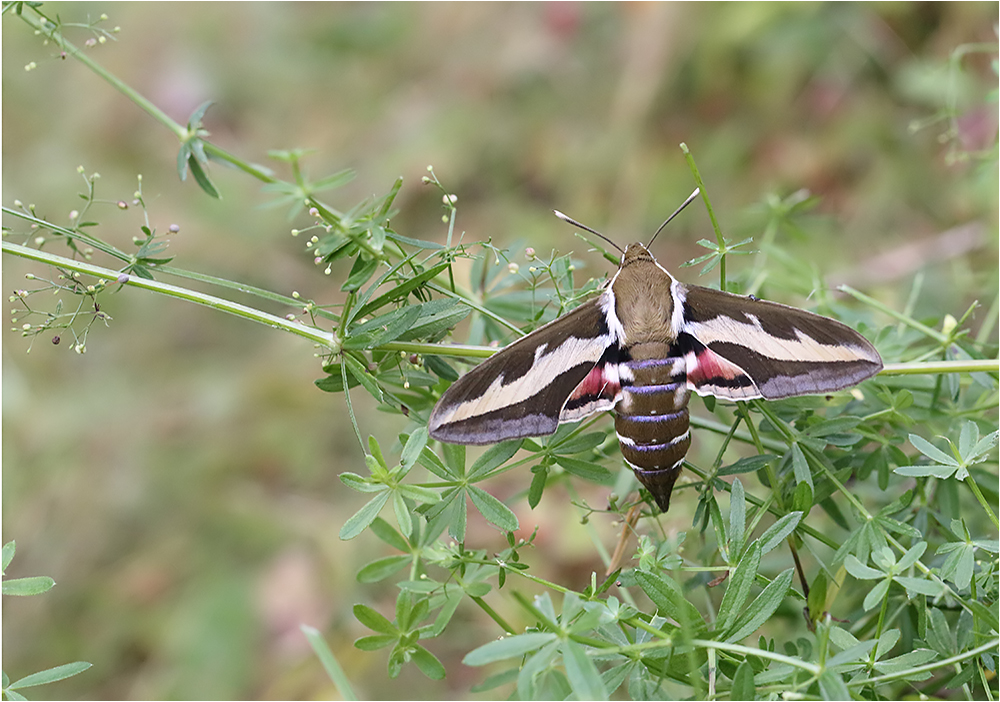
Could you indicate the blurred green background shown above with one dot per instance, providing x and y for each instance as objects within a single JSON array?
[{"x": 179, "y": 480}]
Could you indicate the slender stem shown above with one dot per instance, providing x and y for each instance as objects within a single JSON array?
[
  {"x": 711, "y": 213},
  {"x": 872, "y": 302},
  {"x": 971, "y": 482},
  {"x": 50, "y": 29},
  {"x": 990, "y": 646},
  {"x": 483, "y": 605},
  {"x": 983, "y": 365},
  {"x": 326, "y": 339}
]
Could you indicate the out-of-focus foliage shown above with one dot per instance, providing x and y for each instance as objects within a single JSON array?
[{"x": 180, "y": 479}]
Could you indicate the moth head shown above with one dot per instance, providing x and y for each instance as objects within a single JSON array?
[{"x": 635, "y": 253}]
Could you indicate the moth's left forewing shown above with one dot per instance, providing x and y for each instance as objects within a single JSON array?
[
  {"x": 739, "y": 347},
  {"x": 561, "y": 372}
]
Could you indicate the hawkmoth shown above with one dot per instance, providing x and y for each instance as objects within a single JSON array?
[{"x": 639, "y": 349}]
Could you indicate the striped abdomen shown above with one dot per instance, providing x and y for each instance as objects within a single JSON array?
[{"x": 651, "y": 418}]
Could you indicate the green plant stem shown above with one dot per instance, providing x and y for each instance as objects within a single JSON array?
[
  {"x": 667, "y": 639},
  {"x": 978, "y": 365},
  {"x": 323, "y": 338},
  {"x": 940, "y": 337},
  {"x": 989, "y": 647},
  {"x": 971, "y": 482},
  {"x": 483, "y": 605},
  {"x": 49, "y": 29},
  {"x": 711, "y": 213}
]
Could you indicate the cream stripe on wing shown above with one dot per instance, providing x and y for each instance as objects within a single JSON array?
[
  {"x": 802, "y": 348},
  {"x": 547, "y": 365}
]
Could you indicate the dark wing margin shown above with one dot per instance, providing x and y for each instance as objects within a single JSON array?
[
  {"x": 739, "y": 347},
  {"x": 556, "y": 373}
]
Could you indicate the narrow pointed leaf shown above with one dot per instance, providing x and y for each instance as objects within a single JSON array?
[
  {"x": 509, "y": 647},
  {"x": 363, "y": 517},
  {"x": 761, "y": 609},
  {"x": 495, "y": 511}
]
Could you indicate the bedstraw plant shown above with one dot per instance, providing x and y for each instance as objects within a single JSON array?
[{"x": 796, "y": 576}]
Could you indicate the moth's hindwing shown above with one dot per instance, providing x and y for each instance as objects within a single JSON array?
[
  {"x": 739, "y": 347},
  {"x": 561, "y": 372}
]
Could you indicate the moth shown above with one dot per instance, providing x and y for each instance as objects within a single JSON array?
[{"x": 639, "y": 349}]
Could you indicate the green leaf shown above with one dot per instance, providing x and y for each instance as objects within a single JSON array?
[
  {"x": 437, "y": 366},
  {"x": 493, "y": 457},
  {"x": 853, "y": 654},
  {"x": 362, "y": 270},
  {"x": 28, "y": 586},
  {"x": 738, "y": 588},
  {"x": 875, "y": 595},
  {"x": 584, "y": 469},
  {"x": 201, "y": 178},
  {"x": 428, "y": 664},
  {"x": 816, "y": 601},
  {"x": 968, "y": 438},
  {"x": 426, "y": 496},
  {"x": 436, "y": 316},
  {"x": 382, "y": 568},
  {"x": 361, "y": 374},
  {"x": 982, "y": 447},
  {"x": 737, "y": 517},
  {"x": 832, "y": 687},
  {"x": 8, "y": 555},
  {"x": 330, "y": 664},
  {"x": 860, "y": 571},
  {"x": 334, "y": 180},
  {"x": 743, "y": 688},
  {"x": 382, "y": 530},
  {"x": 669, "y": 599},
  {"x": 419, "y": 243},
  {"x": 363, "y": 517},
  {"x": 374, "y": 621},
  {"x": 454, "y": 458},
  {"x": 509, "y": 647},
  {"x": 540, "y": 474},
  {"x": 778, "y": 531},
  {"x": 935, "y": 470},
  {"x": 382, "y": 330},
  {"x": 802, "y": 498},
  {"x": 912, "y": 555},
  {"x": 415, "y": 444},
  {"x": 959, "y": 565},
  {"x": 374, "y": 643},
  {"x": 402, "y": 290},
  {"x": 403, "y": 519},
  {"x": 931, "y": 451},
  {"x": 335, "y": 381},
  {"x": 60, "y": 672},
  {"x": 905, "y": 661},
  {"x": 429, "y": 460},
  {"x": 578, "y": 443},
  {"x": 761, "y": 609},
  {"x": 356, "y": 482},
  {"x": 987, "y": 614},
  {"x": 800, "y": 467},
  {"x": 919, "y": 586},
  {"x": 747, "y": 464},
  {"x": 582, "y": 673},
  {"x": 495, "y": 511},
  {"x": 194, "y": 121}
]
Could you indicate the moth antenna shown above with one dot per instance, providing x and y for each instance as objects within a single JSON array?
[
  {"x": 687, "y": 202},
  {"x": 572, "y": 221}
]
